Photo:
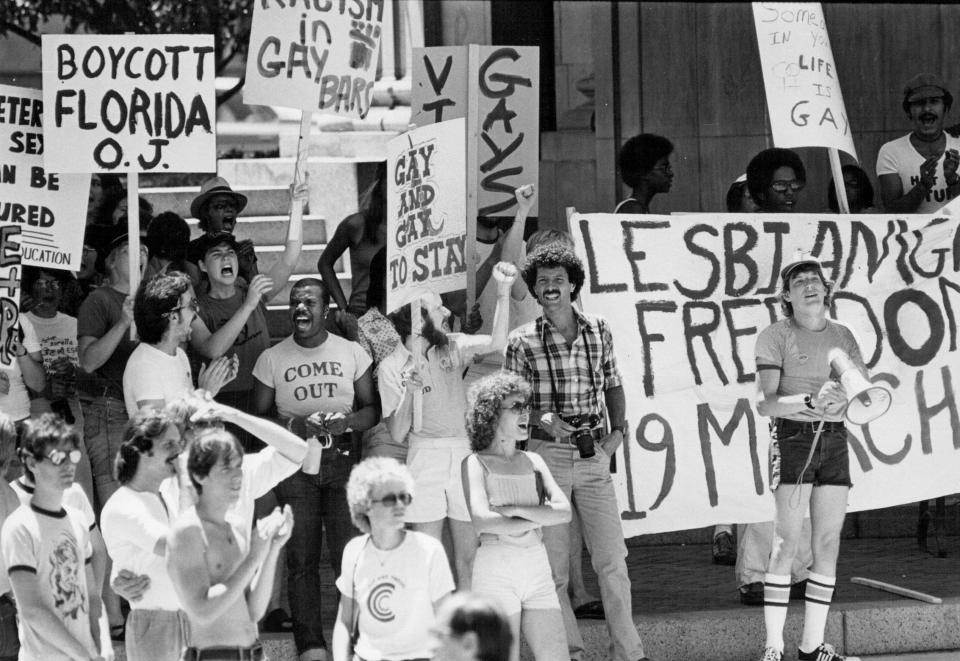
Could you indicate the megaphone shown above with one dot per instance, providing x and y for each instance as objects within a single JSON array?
[{"x": 865, "y": 401}]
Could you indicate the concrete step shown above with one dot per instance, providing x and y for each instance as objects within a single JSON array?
[
  {"x": 271, "y": 230},
  {"x": 261, "y": 200},
  {"x": 268, "y": 255}
]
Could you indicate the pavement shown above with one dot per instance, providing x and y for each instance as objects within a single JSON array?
[{"x": 687, "y": 608}]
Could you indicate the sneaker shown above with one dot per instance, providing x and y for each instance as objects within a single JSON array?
[
  {"x": 771, "y": 654},
  {"x": 824, "y": 653},
  {"x": 724, "y": 550},
  {"x": 751, "y": 594}
]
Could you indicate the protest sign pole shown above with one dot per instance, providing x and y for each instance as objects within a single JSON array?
[
  {"x": 472, "y": 136},
  {"x": 133, "y": 236},
  {"x": 838, "y": 184},
  {"x": 416, "y": 330},
  {"x": 300, "y": 172}
]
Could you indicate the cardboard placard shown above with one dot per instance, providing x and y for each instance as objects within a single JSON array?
[
  {"x": 320, "y": 57},
  {"x": 129, "y": 103},
  {"x": 49, "y": 208},
  {"x": 9, "y": 291}
]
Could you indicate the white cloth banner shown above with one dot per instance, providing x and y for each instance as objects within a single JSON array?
[
  {"x": 49, "y": 208},
  {"x": 800, "y": 77},
  {"x": 320, "y": 57},
  {"x": 686, "y": 297},
  {"x": 129, "y": 103},
  {"x": 426, "y": 212}
]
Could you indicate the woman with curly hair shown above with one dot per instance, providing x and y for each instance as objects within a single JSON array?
[
  {"x": 392, "y": 579},
  {"x": 511, "y": 495}
]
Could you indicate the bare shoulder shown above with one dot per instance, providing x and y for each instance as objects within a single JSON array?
[{"x": 187, "y": 531}]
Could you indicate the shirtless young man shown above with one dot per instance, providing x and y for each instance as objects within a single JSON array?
[{"x": 224, "y": 584}]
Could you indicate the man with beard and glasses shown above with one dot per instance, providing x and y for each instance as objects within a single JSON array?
[
  {"x": 568, "y": 358},
  {"x": 322, "y": 386},
  {"x": 438, "y": 448},
  {"x": 136, "y": 521},
  {"x": 918, "y": 172}
]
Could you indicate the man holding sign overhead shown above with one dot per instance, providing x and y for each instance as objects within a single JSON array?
[{"x": 809, "y": 464}]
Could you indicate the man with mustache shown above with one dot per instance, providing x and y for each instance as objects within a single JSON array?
[
  {"x": 918, "y": 172},
  {"x": 568, "y": 357}
]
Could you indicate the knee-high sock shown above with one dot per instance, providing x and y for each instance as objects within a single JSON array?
[
  {"x": 776, "y": 596},
  {"x": 817, "y": 605}
]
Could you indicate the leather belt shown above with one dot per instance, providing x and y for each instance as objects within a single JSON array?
[
  {"x": 252, "y": 653},
  {"x": 785, "y": 426}
]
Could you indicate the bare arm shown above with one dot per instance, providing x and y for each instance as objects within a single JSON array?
[
  {"x": 284, "y": 441},
  {"x": 94, "y": 352},
  {"x": 214, "y": 345},
  {"x": 342, "y": 650},
  {"x": 293, "y": 245},
  {"x": 31, "y": 368},
  {"x": 554, "y": 511},
  {"x": 497, "y": 340},
  {"x": 201, "y": 600},
  {"x": 262, "y": 587},
  {"x": 339, "y": 244},
  {"x": 769, "y": 403},
  {"x": 27, "y": 590},
  {"x": 616, "y": 403},
  {"x": 896, "y": 200},
  {"x": 94, "y": 588},
  {"x": 484, "y": 518}
]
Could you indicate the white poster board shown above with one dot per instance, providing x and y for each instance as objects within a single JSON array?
[
  {"x": 800, "y": 77},
  {"x": 439, "y": 87},
  {"x": 10, "y": 241},
  {"x": 426, "y": 213},
  {"x": 686, "y": 297},
  {"x": 129, "y": 103},
  {"x": 49, "y": 208},
  {"x": 320, "y": 57}
]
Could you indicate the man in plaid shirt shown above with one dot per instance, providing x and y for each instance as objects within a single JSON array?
[{"x": 568, "y": 358}]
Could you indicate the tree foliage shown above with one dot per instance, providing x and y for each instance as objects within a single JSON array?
[{"x": 227, "y": 20}]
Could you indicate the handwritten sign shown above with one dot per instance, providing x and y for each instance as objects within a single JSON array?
[
  {"x": 439, "y": 90},
  {"x": 426, "y": 213},
  {"x": 800, "y": 77},
  {"x": 49, "y": 208},
  {"x": 319, "y": 57},
  {"x": 134, "y": 103},
  {"x": 686, "y": 297},
  {"x": 9, "y": 291}
]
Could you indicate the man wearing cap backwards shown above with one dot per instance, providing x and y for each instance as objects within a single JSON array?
[
  {"x": 216, "y": 209},
  {"x": 796, "y": 389},
  {"x": 918, "y": 172}
]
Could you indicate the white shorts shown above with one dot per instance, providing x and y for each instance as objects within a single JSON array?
[
  {"x": 436, "y": 472},
  {"x": 518, "y": 577}
]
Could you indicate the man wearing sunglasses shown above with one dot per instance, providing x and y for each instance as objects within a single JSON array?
[
  {"x": 918, "y": 172},
  {"x": 47, "y": 551}
]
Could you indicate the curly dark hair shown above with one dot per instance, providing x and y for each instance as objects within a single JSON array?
[
  {"x": 640, "y": 154},
  {"x": 786, "y": 307},
  {"x": 144, "y": 429},
  {"x": 156, "y": 298},
  {"x": 762, "y": 166},
  {"x": 485, "y": 399},
  {"x": 863, "y": 183},
  {"x": 550, "y": 256},
  {"x": 43, "y": 433}
]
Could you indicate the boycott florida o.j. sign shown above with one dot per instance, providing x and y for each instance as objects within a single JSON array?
[{"x": 686, "y": 297}]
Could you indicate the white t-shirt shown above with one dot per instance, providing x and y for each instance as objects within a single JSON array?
[
  {"x": 154, "y": 374},
  {"x": 132, "y": 523},
  {"x": 395, "y": 591},
  {"x": 262, "y": 471},
  {"x": 901, "y": 158},
  {"x": 16, "y": 403},
  {"x": 57, "y": 336},
  {"x": 444, "y": 394},
  {"x": 55, "y": 546},
  {"x": 316, "y": 379},
  {"x": 74, "y": 496}
]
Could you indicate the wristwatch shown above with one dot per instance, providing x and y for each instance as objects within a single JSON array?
[{"x": 620, "y": 428}]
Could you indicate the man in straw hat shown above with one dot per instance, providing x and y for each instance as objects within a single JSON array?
[{"x": 796, "y": 389}]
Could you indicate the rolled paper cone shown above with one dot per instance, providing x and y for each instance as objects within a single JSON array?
[{"x": 311, "y": 462}]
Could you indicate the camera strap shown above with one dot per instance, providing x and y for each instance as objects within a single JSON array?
[{"x": 554, "y": 389}]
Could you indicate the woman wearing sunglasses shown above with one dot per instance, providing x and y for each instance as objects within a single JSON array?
[
  {"x": 511, "y": 495},
  {"x": 392, "y": 579}
]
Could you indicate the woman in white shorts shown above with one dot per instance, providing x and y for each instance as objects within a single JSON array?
[{"x": 511, "y": 495}]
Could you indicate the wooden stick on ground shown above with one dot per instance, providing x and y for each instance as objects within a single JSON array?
[{"x": 896, "y": 589}]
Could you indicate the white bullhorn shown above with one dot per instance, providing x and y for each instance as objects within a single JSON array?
[{"x": 865, "y": 401}]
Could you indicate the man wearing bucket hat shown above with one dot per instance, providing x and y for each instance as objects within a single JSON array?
[
  {"x": 796, "y": 390},
  {"x": 216, "y": 209},
  {"x": 918, "y": 172}
]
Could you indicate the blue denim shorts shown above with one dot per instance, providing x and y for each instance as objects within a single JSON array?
[{"x": 790, "y": 443}]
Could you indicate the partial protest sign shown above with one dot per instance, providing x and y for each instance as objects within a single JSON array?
[
  {"x": 123, "y": 103},
  {"x": 319, "y": 57},
  {"x": 800, "y": 77},
  {"x": 504, "y": 116},
  {"x": 686, "y": 297},
  {"x": 49, "y": 208},
  {"x": 426, "y": 213},
  {"x": 10, "y": 242}
]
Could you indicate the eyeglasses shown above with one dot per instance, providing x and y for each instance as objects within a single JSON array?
[
  {"x": 518, "y": 407},
  {"x": 391, "y": 499},
  {"x": 666, "y": 169},
  {"x": 192, "y": 305},
  {"x": 57, "y": 457},
  {"x": 781, "y": 186}
]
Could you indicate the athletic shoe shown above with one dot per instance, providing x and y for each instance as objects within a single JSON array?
[
  {"x": 771, "y": 654},
  {"x": 724, "y": 551},
  {"x": 824, "y": 653}
]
